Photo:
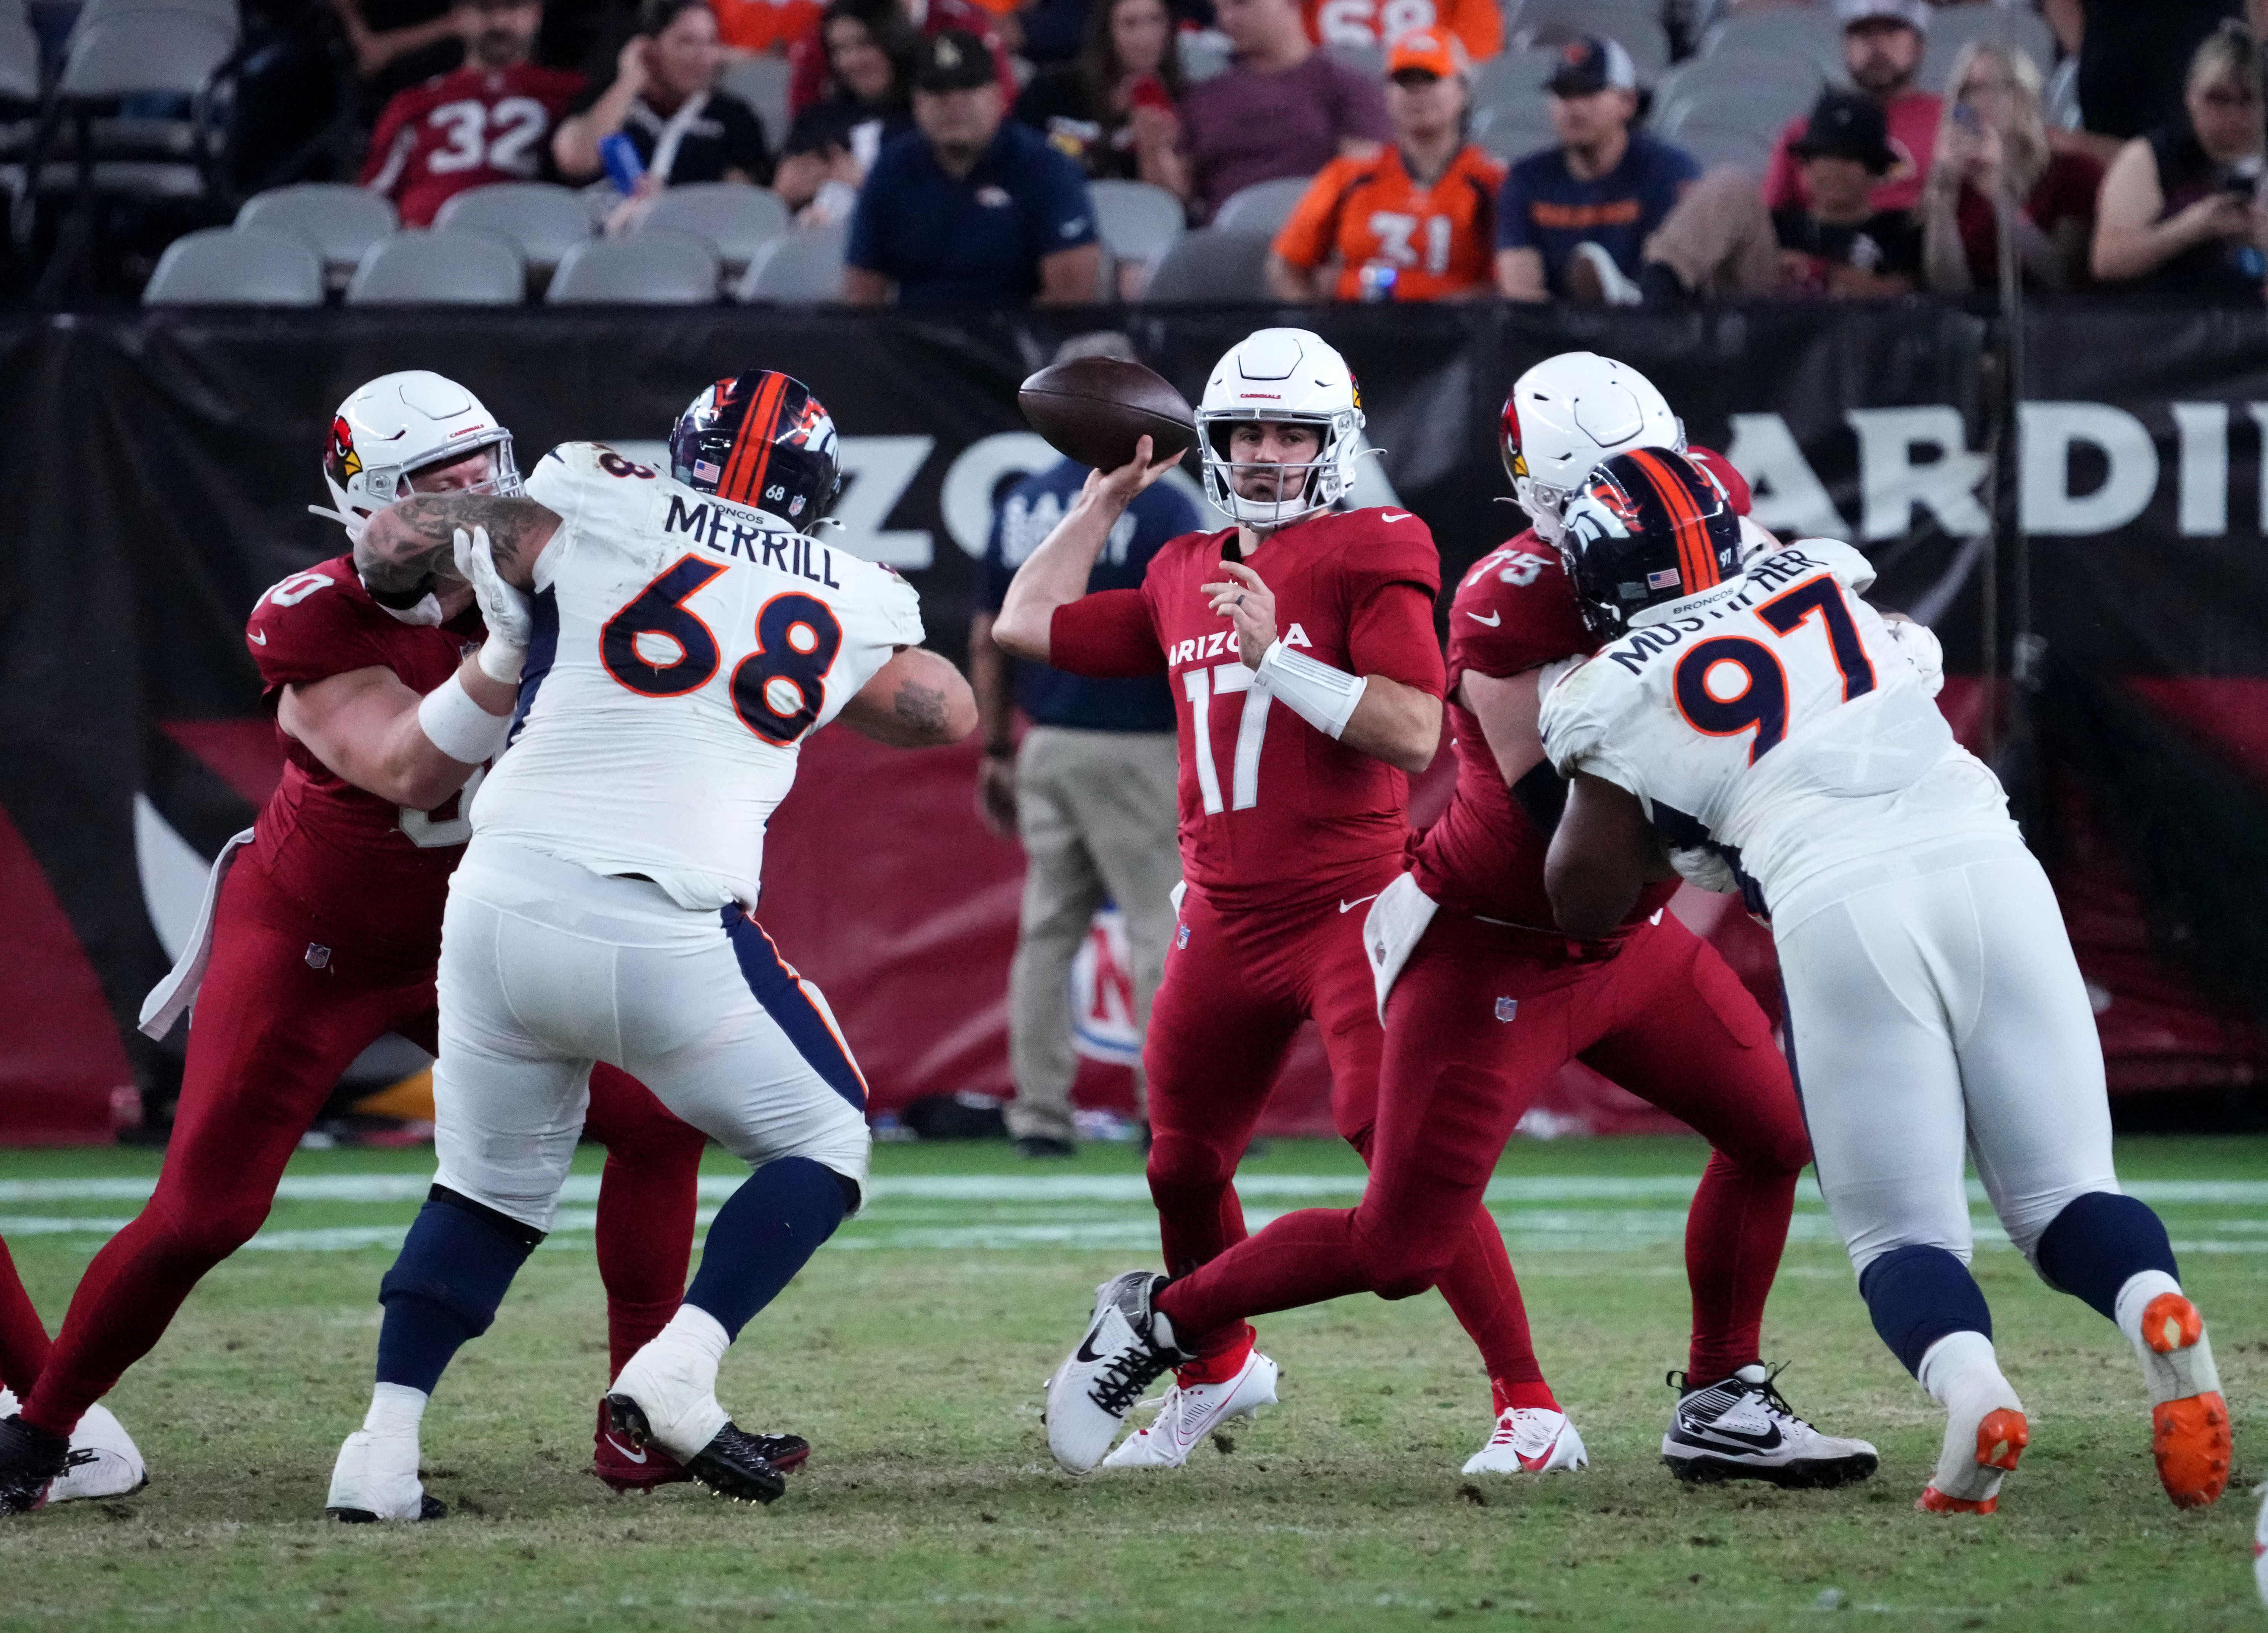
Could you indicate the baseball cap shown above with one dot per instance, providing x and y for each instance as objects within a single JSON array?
[
  {"x": 1913, "y": 13},
  {"x": 1590, "y": 63},
  {"x": 1846, "y": 125},
  {"x": 953, "y": 59},
  {"x": 1428, "y": 51}
]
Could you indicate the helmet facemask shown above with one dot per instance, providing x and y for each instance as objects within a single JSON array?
[{"x": 1329, "y": 474}]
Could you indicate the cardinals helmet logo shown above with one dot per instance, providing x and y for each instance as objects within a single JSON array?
[{"x": 343, "y": 461}]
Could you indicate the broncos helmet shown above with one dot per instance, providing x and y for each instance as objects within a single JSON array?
[
  {"x": 1647, "y": 527},
  {"x": 761, "y": 439}
]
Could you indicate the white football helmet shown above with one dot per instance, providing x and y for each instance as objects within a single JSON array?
[
  {"x": 390, "y": 428},
  {"x": 1566, "y": 415},
  {"x": 1281, "y": 374}
]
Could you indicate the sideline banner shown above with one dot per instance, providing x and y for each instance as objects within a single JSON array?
[{"x": 155, "y": 468}]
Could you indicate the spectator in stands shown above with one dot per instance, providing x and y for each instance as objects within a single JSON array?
[
  {"x": 1283, "y": 109},
  {"x": 1720, "y": 242},
  {"x": 973, "y": 208},
  {"x": 833, "y": 143},
  {"x": 757, "y": 27},
  {"x": 1090, "y": 791},
  {"x": 487, "y": 121},
  {"x": 1993, "y": 145},
  {"x": 2180, "y": 212},
  {"x": 1573, "y": 216},
  {"x": 809, "y": 58},
  {"x": 1882, "y": 46},
  {"x": 1415, "y": 222},
  {"x": 399, "y": 43},
  {"x": 2134, "y": 58},
  {"x": 1113, "y": 110},
  {"x": 1478, "y": 24},
  {"x": 664, "y": 99}
]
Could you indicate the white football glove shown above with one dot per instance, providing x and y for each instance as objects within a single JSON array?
[
  {"x": 1919, "y": 643},
  {"x": 504, "y": 610},
  {"x": 1704, "y": 869}
]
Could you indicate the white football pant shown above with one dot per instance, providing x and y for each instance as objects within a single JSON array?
[
  {"x": 547, "y": 968},
  {"x": 1933, "y": 1000}
]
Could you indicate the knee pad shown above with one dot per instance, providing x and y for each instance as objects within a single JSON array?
[
  {"x": 1917, "y": 1295},
  {"x": 2096, "y": 1243}
]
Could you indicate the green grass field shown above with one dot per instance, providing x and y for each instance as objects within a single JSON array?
[{"x": 911, "y": 1352}]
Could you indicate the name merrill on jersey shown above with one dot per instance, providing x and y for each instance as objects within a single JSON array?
[
  {"x": 1774, "y": 572},
  {"x": 751, "y": 538}
]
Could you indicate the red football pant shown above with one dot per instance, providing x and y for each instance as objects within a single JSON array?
[
  {"x": 1666, "y": 1018},
  {"x": 270, "y": 1037},
  {"x": 23, "y": 1336},
  {"x": 1236, "y": 988}
]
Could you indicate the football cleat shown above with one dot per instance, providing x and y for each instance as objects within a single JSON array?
[
  {"x": 30, "y": 1461},
  {"x": 1529, "y": 1440},
  {"x": 1123, "y": 1352},
  {"x": 2188, "y": 1422},
  {"x": 1977, "y": 1453},
  {"x": 104, "y": 1460},
  {"x": 376, "y": 1478},
  {"x": 1741, "y": 1428},
  {"x": 1191, "y": 1411},
  {"x": 732, "y": 1463},
  {"x": 2260, "y": 1545},
  {"x": 624, "y": 1467}
]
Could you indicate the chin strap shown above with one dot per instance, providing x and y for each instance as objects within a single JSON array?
[{"x": 1324, "y": 697}]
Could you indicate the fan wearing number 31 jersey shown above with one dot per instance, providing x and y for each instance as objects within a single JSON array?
[
  {"x": 685, "y": 638},
  {"x": 1768, "y": 725}
]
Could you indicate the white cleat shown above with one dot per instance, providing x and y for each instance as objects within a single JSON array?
[
  {"x": 1529, "y": 1440},
  {"x": 1190, "y": 1412},
  {"x": 1743, "y": 1428},
  {"x": 104, "y": 1460},
  {"x": 674, "y": 1385},
  {"x": 376, "y": 1478},
  {"x": 2260, "y": 1546},
  {"x": 1126, "y": 1346}
]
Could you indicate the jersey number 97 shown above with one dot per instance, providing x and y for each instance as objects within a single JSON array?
[{"x": 777, "y": 689}]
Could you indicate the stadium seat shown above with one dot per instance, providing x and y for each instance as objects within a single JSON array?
[
  {"x": 1137, "y": 221},
  {"x": 1204, "y": 55},
  {"x": 543, "y": 220},
  {"x": 237, "y": 267},
  {"x": 20, "y": 91},
  {"x": 806, "y": 265},
  {"x": 1752, "y": 90},
  {"x": 1367, "y": 59},
  {"x": 1515, "y": 132},
  {"x": 1212, "y": 264},
  {"x": 223, "y": 12},
  {"x": 761, "y": 82},
  {"x": 652, "y": 268},
  {"x": 1952, "y": 27},
  {"x": 1264, "y": 207},
  {"x": 1713, "y": 144},
  {"x": 736, "y": 217},
  {"x": 1811, "y": 30},
  {"x": 1632, "y": 25},
  {"x": 1512, "y": 77},
  {"x": 84, "y": 146},
  {"x": 340, "y": 220},
  {"x": 448, "y": 266}
]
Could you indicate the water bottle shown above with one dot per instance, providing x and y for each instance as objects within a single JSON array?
[
  {"x": 1378, "y": 278},
  {"x": 624, "y": 168}
]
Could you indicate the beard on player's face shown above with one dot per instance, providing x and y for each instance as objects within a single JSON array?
[{"x": 1269, "y": 463}]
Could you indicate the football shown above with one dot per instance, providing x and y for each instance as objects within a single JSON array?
[{"x": 1095, "y": 411}]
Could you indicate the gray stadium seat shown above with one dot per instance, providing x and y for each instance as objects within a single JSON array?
[
  {"x": 1512, "y": 77},
  {"x": 1212, "y": 264},
  {"x": 127, "y": 53},
  {"x": 653, "y": 269},
  {"x": 237, "y": 267},
  {"x": 1367, "y": 59},
  {"x": 543, "y": 220},
  {"x": 1812, "y": 30},
  {"x": 1635, "y": 27},
  {"x": 447, "y": 266},
  {"x": 761, "y": 82},
  {"x": 19, "y": 92},
  {"x": 1264, "y": 207},
  {"x": 1137, "y": 221},
  {"x": 1748, "y": 91},
  {"x": 736, "y": 217},
  {"x": 223, "y": 12},
  {"x": 806, "y": 265},
  {"x": 340, "y": 220},
  {"x": 1515, "y": 132},
  {"x": 1952, "y": 27},
  {"x": 1711, "y": 145}
]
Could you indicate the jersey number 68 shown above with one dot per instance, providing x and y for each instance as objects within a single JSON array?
[{"x": 777, "y": 689}]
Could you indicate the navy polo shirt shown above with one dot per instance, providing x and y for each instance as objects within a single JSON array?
[
  {"x": 972, "y": 239},
  {"x": 1030, "y": 511}
]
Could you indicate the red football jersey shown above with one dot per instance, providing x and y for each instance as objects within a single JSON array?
[
  {"x": 465, "y": 130},
  {"x": 1273, "y": 813},
  {"x": 371, "y": 874}
]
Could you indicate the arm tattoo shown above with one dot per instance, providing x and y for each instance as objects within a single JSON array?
[
  {"x": 920, "y": 707},
  {"x": 434, "y": 519}
]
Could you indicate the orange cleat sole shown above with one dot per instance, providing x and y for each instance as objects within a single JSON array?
[
  {"x": 1933, "y": 1501},
  {"x": 2171, "y": 1322},
  {"x": 2193, "y": 1442}
]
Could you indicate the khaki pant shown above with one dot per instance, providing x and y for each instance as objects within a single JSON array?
[
  {"x": 1097, "y": 813},
  {"x": 1719, "y": 240}
]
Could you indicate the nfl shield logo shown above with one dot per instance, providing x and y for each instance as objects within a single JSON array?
[
  {"x": 319, "y": 956},
  {"x": 1506, "y": 1008},
  {"x": 1181, "y": 935}
]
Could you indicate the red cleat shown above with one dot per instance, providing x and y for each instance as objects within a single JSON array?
[{"x": 625, "y": 1468}]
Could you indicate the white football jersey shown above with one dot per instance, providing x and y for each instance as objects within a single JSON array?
[
  {"x": 684, "y": 648},
  {"x": 1775, "y": 716}
]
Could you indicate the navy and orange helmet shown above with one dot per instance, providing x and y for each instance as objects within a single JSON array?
[
  {"x": 1648, "y": 527},
  {"x": 761, "y": 439}
]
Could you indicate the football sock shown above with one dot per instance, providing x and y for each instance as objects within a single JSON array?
[
  {"x": 763, "y": 1234},
  {"x": 1735, "y": 1232},
  {"x": 23, "y": 1336},
  {"x": 1917, "y": 1296},
  {"x": 1523, "y": 1397},
  {"x": 2098, "y": 1243},
  {"x": 646, "y": 1201},
  {"x": 444, "y": 1289},
  {"x": 1962, "y": 1369},
  {"x": 394, "y": 1409}
]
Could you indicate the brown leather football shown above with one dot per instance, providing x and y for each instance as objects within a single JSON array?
[{"x": 1095, "y": 411}]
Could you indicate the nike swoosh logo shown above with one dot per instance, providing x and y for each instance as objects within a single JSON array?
[
  {"x": 1535, "y": 1465},
  {"x": 1394, "y": 516},
  {"x": 256, "y": 635},
  {"x": 1768, "y": 1441},
  {"x": 1349, "y": 907},
  {"x": 1086, "y": 1353},
  {"x": 1491, "y": 620},
  {"x": 635, "y": 1457}
]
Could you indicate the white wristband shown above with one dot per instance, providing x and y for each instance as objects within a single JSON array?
[
  {"x": 1324, "y": 697},
  {"x": 459, "y": 727},
  {"x": 502, "y": 660}
]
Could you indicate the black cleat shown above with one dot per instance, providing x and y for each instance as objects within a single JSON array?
[
  {"x": 734, "y": 1464},
  {"x": 30, "y": 1460},
  {"x": 429, "y": 1507}
]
